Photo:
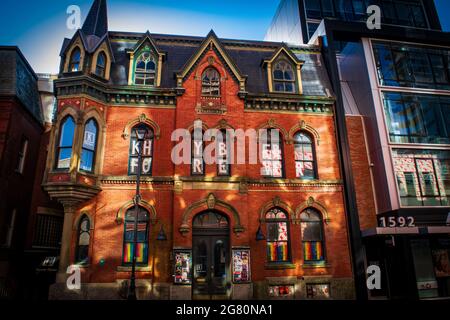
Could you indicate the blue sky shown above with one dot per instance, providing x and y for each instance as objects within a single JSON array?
[{"x": 39, "y": 26}]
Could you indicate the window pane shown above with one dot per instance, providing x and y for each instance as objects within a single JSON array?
[
  {"x": 385, "y": 64},
  {"x": 313, "y": 9},
  {"x": 87, "y": 160},
  {"x": 67, "y": 132},
  {"x": 64, "y": 158},
  {"x": 420, "y": 66}
]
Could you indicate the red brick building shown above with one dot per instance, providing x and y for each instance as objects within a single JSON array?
[{"x": 204, "y": 231}]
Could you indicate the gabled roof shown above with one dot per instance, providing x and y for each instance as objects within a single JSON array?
[
  {"x": 105, "y": 38},
  {"x": 212, "y": 40},
  {"x": 146, "y": 37},
  {"x": 68, "y": 42},
  {"x": 284, "y": 49},
  {"x": 96, "y": 22}
]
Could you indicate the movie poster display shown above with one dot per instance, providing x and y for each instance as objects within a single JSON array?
[
  {"x": 241, "y": 265},
  {"x": 182, "y": 266}
]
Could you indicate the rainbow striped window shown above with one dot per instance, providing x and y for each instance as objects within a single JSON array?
[
  {"x": 312, "y": 235},
  {"x": 142, "y": 237},
  {"x": 277, "y": 236}
]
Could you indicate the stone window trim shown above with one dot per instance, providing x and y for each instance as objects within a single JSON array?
[
  {"x": 147, "y": 205},
  {"x": 142, "y": 118},
  {"x": 285, "y": 54},
  {"x": 302, "y": 125},
  {"x": 209, "y": 203},
  {"x": 77, "y": 44}
]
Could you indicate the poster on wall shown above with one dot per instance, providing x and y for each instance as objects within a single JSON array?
[
  {"x": 241, "y": 265},
  {"x": 182, "y": 266},
  {"x": 441, "y": 262}
]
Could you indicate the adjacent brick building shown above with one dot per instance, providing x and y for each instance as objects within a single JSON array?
[{"x": 204, "y": 230}]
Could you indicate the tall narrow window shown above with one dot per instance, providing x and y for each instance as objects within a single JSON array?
[
  {"x": 142, "y": 237},
  {"x": 283, "y": 77},
  {"x": 272, "y": 154},
  {"x": 89, "y": 146},
  {"x": 22, "y": 156},
  {"x": 312, "y": 235},
  {"x": 304, "y": 156},
  {"x": 101, "y": 65},
  {"x": 8, "y": 231},
  {"x": 64, "y": 152},
  {"x": 147, "y": 151},
  {"x": 145, "y": 70},
  {"x": 210, "y": 82},
  {"x": 75, "y": 59},
  {"x": 277, "y": 236},
  {"x": 197, "y": 161},
  {"x": 222, "y": 152},
  {"x": 84, "y": 238}
]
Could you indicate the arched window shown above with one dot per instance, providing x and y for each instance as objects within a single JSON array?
[
  {"x": 283, "y": 77},
  {"x": 272, "y": 154},
  {"x": 223, "y": 153},
  {"x": 142, "y": 236},
  {"x": 147, "y": 151},
  {"x": 210, "y": 219},
  {"x": 88, "y": 149},
  {"x": 312, "y": 235},
  {"x": 305, "y": 167},
  {"x": 64, "y": 152},
  {"x": 84, "y": 238},
  {"x": 197, "y": 161},
  {"x": 277, "y": 235},
  {"x": 211, "y": 82},
  {"x": 145, "y": 70},
  {"x": 100, "y": 67},
  {"x": 74, "y": 62}
]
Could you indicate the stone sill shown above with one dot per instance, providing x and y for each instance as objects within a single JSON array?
[
  {"x": 138, "y": 269},
  {"x": 316, "y": 265},
  {"x": 280, "y": 266}
]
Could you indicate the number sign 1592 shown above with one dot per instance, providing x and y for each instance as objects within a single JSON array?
[{"x": 393, "y": 222}]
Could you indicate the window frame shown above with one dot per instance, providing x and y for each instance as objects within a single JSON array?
[
  {"x": 281, "y": 145},
  {"x": 59, "y": 141},
  {"x": 269, "y": 221},
  {"x": 313, "y": 151},
  {"x": 77, "y": 62},
  {"x": 80, "y": 232},
  {"x": 147, "y": 75},
  {"x": 322, "y": 236},
  {"x": 193, "y": 156},
  {"x": 408, "y": 51},
  {"x": 224, "y": 133},
  {"x": 152, "y": 147},
  {"x": 84, "y": 149},
  {"x": 210, "y": 85},
  {"x": 420, "y": 197},
  {"x": 284, "y": 81},
  {"x": 146, "y": 241},
  {"x": 100, "y": 67}
]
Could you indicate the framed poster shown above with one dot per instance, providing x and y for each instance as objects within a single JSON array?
[
  {"x": 182, "y": 266},
  {"x": 241, "y": 265}
]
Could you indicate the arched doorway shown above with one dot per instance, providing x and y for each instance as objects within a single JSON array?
[{"x": 211, "y": 256}]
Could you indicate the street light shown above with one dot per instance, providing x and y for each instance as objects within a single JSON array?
[{"x": 141, "y": 134}]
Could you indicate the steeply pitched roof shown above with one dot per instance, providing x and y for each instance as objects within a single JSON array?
[
  {"x": 248, "y": 56},
  {"x": 96, "y": 23}
]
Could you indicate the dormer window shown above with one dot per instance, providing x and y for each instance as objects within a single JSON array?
[
  {"x": 75, "y": 58},
  {"x": 145, "y": 70},
  {"x": 283, "y": 77},
  {"x": 211, "y": 82},
  {"x": 100, "y": 67}
]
